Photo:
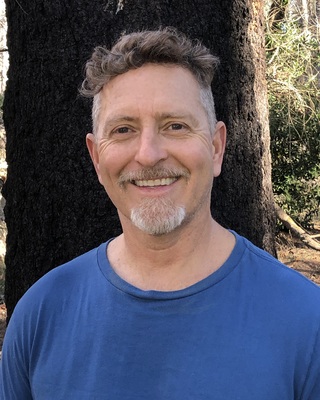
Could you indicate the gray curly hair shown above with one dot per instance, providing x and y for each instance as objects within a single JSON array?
[{"x": 164, "y": 46}]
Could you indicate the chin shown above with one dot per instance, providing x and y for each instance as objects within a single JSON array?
[{"x": 157, "y": 217}]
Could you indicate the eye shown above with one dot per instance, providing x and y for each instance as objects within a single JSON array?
[
  {"x": 122, "y": 129},
  {"x": 176, "y": 127}
]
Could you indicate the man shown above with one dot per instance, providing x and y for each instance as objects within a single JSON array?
[{"x": 176, "y": 307}]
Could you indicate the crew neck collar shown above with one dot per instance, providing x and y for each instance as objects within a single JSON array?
[{"x": 114, "y": 279}]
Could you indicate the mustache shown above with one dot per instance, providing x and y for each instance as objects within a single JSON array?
[{"x": 152, "y": 173}]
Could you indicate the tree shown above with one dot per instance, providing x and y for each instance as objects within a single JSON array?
[
  {"x": 293, "y": 77},
  {"x": 55, "y": 207}
]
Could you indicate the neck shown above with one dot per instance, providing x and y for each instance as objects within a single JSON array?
[{"x": 173, "y": 261}]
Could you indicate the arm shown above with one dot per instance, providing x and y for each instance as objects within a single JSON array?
[
  {"x": 14, "y": 380},
  {"x": 311, "y": 390}
]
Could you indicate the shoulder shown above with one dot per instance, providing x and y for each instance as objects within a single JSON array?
[
  {"x": 264, "y": 262},
  {"x": 62, "y": 282},
  {"x": 276, "y": 281},
  {"x": 76, "y": 268},
  {"x": 287, "y": 307}
]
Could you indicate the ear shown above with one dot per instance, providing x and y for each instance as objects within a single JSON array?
[
  {"x": 93, "y": 151},
  {"x": 218, "y": 144}
]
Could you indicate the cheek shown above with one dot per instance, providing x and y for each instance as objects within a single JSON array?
[
  {"x": 203, "y": 167},
  {"x": 199, "y": 157},
  {"x": 113, "y": 160}
]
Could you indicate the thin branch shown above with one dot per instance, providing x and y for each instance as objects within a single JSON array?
[{"x": 21, "y": 7}]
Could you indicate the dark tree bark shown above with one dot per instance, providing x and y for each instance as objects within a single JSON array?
[
  {"x": 242, "y": 196},
  {"x": 55, "y": 207}
]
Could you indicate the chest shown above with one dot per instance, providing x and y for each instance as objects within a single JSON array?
[{"x": 143, "y": 354}]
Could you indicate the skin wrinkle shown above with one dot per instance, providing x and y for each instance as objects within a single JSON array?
[
  {"x": 149, "y": 95},
  {"x": 163, "y": 118},
  {"x": 205, "y": 98}
]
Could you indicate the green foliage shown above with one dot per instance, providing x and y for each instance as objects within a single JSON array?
[{"x": 293, "y": 59}]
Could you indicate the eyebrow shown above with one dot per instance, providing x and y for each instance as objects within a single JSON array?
[
  {"x": 118, "y": 119},
  {"x": 181, "y": 115}
]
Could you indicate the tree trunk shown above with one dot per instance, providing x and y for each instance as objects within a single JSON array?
[
  {"x": 55, "y": 208},
  {"x": 243, "y": 195}
]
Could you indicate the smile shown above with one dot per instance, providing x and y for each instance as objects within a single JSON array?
[{"x": 155, "y": 182}]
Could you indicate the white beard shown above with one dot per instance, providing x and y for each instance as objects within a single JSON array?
[{"x": 157, "y": 216}]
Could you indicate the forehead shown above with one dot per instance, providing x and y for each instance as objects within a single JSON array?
[{"x": 152, "y": 85}]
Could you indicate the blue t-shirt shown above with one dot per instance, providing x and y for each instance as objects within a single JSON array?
[{"x": 249, "y": 331}]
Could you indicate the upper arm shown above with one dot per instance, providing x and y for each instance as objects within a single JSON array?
[
  {"x": 311, "y": 389},
  {"x": 14, "y": 379}
]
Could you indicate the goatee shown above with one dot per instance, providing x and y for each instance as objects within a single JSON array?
[{"x": 157, "y": 216}]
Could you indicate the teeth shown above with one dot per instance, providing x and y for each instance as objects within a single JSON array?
[{"x": 155, "y": 182}]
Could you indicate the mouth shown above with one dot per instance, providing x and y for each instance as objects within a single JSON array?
[
  {"x": 154, "y": 182},
  {"x": 155, "y": 177}
]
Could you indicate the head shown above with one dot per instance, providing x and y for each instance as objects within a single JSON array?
[
  {"x": 132, "y": 51},
  {"x": 156, "y": 145}
]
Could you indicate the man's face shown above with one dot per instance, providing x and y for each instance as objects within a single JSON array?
[{"x": 153, "y": 150}]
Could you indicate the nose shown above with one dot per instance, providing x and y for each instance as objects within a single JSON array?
[{"x": 151, "y": 148}]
